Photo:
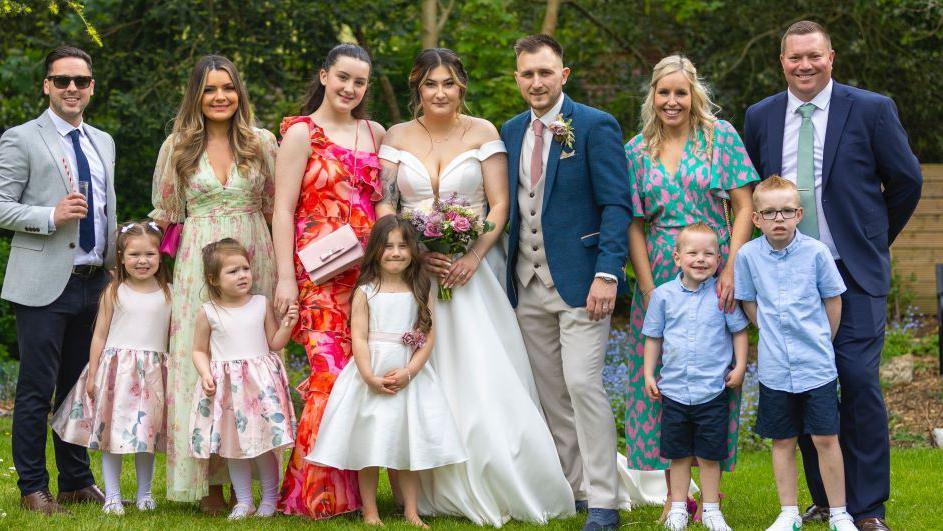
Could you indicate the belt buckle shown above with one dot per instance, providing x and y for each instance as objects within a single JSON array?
[{"x": 85, "y": 270}]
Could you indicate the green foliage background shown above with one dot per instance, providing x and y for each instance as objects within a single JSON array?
[{"x": 148, "y": 47}]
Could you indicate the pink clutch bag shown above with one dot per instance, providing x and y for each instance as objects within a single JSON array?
[
  {"x": 171, "y": 239},
  {"x": 331, "y": 255}
]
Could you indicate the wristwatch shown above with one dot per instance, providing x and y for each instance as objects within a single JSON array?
[{"x": 608, "y": 280}]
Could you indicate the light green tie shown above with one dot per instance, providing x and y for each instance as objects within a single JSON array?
[{"x": 805, "y": 173}]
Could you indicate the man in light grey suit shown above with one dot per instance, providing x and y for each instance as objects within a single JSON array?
[{"x": 63, "y": 244}]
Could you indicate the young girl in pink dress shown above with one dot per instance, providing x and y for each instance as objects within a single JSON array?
[
  {"x": 243, "y": 411},
  {"x": 117, "y": 405}
]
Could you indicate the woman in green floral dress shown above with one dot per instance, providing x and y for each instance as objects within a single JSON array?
[
  {"x": 681, "y": 166},
  {"x": 215, "y": 174}
]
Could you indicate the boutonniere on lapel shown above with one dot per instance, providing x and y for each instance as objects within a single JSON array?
[{"x": 562, "y": 130}]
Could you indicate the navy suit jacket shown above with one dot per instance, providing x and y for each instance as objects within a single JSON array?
[
  {"x": 586, "y": 208},
  {"x": 871, "y": 179}
]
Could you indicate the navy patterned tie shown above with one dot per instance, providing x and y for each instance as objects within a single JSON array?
[{"x": 87, "y": 224}]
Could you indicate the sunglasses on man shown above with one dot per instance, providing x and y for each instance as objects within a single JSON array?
[{"x": 63, "y": 82}]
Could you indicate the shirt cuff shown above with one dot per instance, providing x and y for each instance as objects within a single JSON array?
[
  {"x": 52, "y": 220},
  {"x": 607, "y": 276}
]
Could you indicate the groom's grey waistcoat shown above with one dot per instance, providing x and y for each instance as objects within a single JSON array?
[{"x": 531, "y": 257}]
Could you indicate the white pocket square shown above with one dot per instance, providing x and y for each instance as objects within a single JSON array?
[{"x": 567, "y": 154}]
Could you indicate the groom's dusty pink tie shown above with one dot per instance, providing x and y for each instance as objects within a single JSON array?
[{"x": 537, "y": 156}]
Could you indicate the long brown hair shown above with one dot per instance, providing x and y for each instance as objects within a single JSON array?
[
  {"x": 213, "y": 255},
  {"x": 414, "y": 275},
  {"x": 315, "y": 95},
  {"x": 190, "y": 131},
  {"x": 136, "y": 229},
  {"x": 427, "y": 61}
]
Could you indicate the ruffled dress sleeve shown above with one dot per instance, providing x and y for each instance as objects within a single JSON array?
[
  {"x": 731, "y": 166},
  {"x": 169, "y": 205},
  {"x": 269, "y": 148},
  {"x": 634, "y": 154}
]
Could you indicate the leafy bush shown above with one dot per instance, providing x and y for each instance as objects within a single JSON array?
[{"x": 7, "y": 320}]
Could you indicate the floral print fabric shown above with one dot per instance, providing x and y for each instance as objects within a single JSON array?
[
  {"x": 668, "y": 203},
  {"x": 127, "y": 415},
  {"x": 338, "y": 186}
]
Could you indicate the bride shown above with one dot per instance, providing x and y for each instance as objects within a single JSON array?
[{"x": 513, "y": 471}]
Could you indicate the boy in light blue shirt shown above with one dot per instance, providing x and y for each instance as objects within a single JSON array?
[
  {"x": 791, "y": 287},
  {"x": 697, "y": 341}
]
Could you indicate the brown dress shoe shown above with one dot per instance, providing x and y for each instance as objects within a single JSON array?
[
  {"x": 815, "y": 514},
  {"x": 90, "y": 494},
  {"x": 42, "y": 501},
  {"x": 872, "y": 524}
]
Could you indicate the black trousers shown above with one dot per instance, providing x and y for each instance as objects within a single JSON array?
[
  {"x": 54, "y": 343},
  {"x": 863, "y": 434}
]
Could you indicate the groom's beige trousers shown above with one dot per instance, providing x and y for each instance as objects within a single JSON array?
[{"x": 567, "y": 353}]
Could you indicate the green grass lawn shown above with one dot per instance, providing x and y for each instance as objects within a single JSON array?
[{"x": 917, "y": 475}]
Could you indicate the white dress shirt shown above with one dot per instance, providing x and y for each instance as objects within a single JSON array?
[
  {"x": 528, "y": 148},
  {"x": 791, "y": 151},
  {"x": 99, "y": 194}
]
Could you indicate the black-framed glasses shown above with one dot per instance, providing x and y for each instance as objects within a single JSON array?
[
  {"x": 63, "y": 82},
  {"x": 770, "y": 214}
]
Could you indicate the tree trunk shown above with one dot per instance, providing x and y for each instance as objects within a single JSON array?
[
  {"x": 430, "y": 26},
  {"x": 550, "y": 17},
  {"x": 389, "y": 98}
]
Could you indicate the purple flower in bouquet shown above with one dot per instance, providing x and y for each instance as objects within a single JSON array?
[
  {"x": 415, "y": 339},
  {"x": 432, "y": 230}
]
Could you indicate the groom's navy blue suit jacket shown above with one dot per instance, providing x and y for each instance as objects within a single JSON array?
[
  {"x": 586, "y": 208},
  {"x": 871, "y": 180}
]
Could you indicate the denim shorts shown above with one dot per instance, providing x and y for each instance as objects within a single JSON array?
[
  {"x": 784, "y": 415},
  {"x": 698, "y": 430}
]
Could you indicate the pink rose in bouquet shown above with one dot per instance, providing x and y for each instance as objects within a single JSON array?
[{"x": 448, "y": 227}]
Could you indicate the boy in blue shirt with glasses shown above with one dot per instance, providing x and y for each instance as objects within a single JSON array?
[
  {"x": 697, "y": 341},
  {"x": 791, "y": 287}
]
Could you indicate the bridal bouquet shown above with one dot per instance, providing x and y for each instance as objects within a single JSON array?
[{"x": 448, "y": 227}]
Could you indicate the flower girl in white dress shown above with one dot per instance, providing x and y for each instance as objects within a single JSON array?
[{"x": 387, "y": 409}]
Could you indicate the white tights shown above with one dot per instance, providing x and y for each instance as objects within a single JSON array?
[
  {"x": 240, "y": 473},
  {"x": 111, "y": 469}
]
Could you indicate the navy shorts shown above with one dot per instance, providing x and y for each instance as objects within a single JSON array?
[
  {"x": 783, "y": 415},
  {"x": 698, "y": 430}
]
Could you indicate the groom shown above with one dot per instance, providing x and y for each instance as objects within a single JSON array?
[{"x": 569, "y": 217}]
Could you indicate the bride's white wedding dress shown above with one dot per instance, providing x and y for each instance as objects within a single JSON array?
[{"x": 512, "y": 471}]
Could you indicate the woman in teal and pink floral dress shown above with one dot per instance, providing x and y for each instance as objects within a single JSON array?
[
  {"x": 215, "y": 174},
  {"x": 680, "y": 166}
]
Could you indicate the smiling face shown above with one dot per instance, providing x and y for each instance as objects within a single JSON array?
[
  {"x": 235, "y": 276},
  {"x": 807, "y": 64},
  {"x": 140, "y": 257},
  {"x": 440, "y": 94},
  {"x": 345, "y": 83},
  {"x": 673, "y": 100},
  {"x": 396, "y": 256},
  {"x": 220, "y": 99},
  {"x": 540, "y": 77},
  {"x": 698, "y": 255},
  {"x": 70, "y": 102},
  {"x": 779, "y": 231}
]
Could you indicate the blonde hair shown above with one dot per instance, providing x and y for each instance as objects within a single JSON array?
[
  {"x": 695, "y": 228},
  {"x": 774, "y": 182},
  {"x": 702, "y": 108},
  {"x": 213, "y": 255},
  {"x": 189, "y": 129}
]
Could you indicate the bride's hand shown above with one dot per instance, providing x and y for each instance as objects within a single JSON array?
[
  {"x": 436, "y": 264},
  {"x": 462, "y": 270}
]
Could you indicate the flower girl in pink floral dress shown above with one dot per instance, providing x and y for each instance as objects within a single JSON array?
[
  {"x": 243, "y": 408},
  {"x": 387, "y": 408},
  {"x": 117, "y": 405}
]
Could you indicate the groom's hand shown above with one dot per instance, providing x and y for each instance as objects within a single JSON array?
[{"x": 601, "y": 300}]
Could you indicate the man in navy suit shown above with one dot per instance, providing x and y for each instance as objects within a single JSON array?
[
  {"x": 859, "y": 183},
  {"x": 568, "y": 243}
]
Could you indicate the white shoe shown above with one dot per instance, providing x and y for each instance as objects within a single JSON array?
[
  {"x": 786, "y": 522},
  {"x": 714, "y": 521},
  {"x": 241, "y": 510},
  {"x": 676, "y": 520},
  {"x": 113, "y": 506},
  {"x": 842, "y": 522},
  {"x": 146, "y": 503},
  {"x": 266, "y": 509}
]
